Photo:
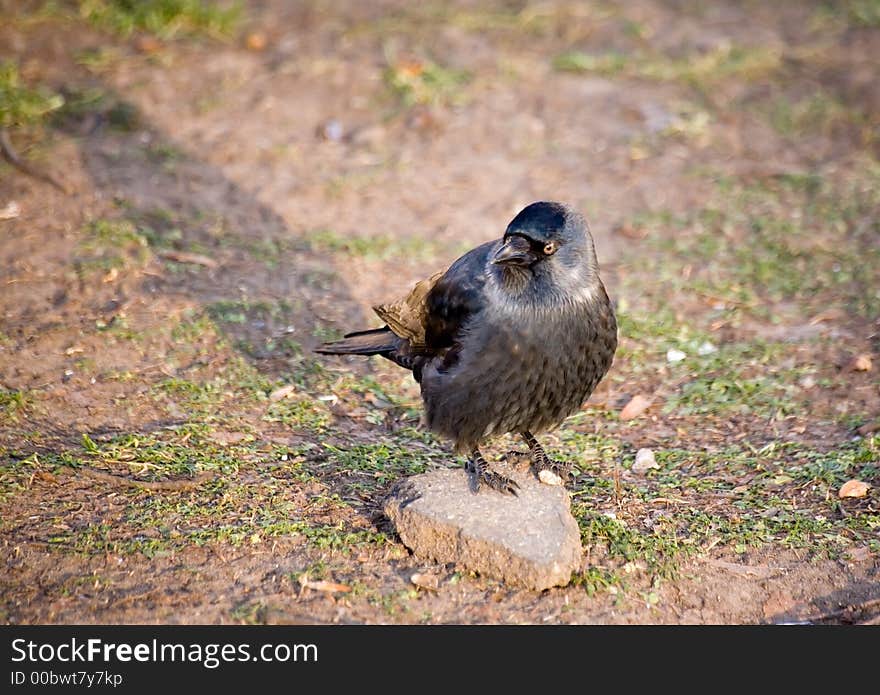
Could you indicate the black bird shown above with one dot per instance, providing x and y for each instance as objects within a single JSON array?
[{"x": 513, "y": 337}]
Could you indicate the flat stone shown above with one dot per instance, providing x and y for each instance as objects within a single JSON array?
[{"x": 531, "y": 540}]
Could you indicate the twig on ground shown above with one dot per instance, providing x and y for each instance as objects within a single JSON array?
[
  {"x": 153, "y": 485},
  {"x": 11, "y": 156}
]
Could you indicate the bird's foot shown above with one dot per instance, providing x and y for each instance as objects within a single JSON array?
[
  {"x": 480, "y": 474},
  {"x": 542, "y": 462}
]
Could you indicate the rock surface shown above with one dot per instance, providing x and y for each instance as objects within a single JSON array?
[{"x": 531, "y": 540}]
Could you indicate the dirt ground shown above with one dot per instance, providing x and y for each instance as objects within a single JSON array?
[{"x": 172, "y": 452}]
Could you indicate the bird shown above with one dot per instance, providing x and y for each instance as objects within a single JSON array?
[{"x": 512, "y": 338}]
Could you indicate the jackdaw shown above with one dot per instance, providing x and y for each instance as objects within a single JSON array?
[{"x": 513, "y": 337}]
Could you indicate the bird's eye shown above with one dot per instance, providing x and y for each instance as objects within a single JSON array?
[{"x": 550, "y": 248}]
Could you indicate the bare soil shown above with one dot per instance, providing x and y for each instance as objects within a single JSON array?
[{"x": 312, "y": 186}]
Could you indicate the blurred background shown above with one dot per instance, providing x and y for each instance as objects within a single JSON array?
[{"x": 194, "y": 193}]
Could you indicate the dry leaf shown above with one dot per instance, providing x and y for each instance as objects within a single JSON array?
[
  {"x": 255, "y": 41},
  {"x": 862, "y": 363},
  {"x": 410, "y": 68},
  {"x": 644, "y": 461},
  {"x": 638, "y": 404},
  {"x": 853, "y": 488},
  {"x": 631, "y": 232},
  {"x": 321, "y": 585},
  {"x": 869, "y": 427},
  {"x": 282, "y": 393},
  {"x": 148, "y": 44},
  {"x": 549, "y": 477},
  {"x": 46, "y": 477},
  {"x": 187, "y": 257},
  {"x": 226, "y": 438}
]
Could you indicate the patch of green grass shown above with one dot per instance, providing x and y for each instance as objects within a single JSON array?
[
  {"x": 303, "y": 415},
  {"x": 725, "y": 61},
  {"x": 381, "y": 462},
  {"x": 741, "y": 377},
  {"x": 237, "y": 382},
  {"x": 13, "y": 404},
  {"x": 183, "y": 451},
  {"x": 21, "y": 105},
  {"x": 856, "y": 13},
  {"x": 82, "y": 102},
  {"x": 250, "y": 613},
  {"x": 193, "y": 327},
  {"x": 745, "y": 377},
  {"x": 719, "y": 394},
  {"x": 165, "y": 154},
  {"x": 263, "y": 504},
  {"x": 422, "y": 20},
  {"x": 782, "y": 494},
  {"x": 819, "y": 113},
  {"x": 110, "y": 244},
  {"x": 241, "y": 311},
  {"x": 659, "y": 548},
  {"x": 167, "y": 19},
  {"x": 800, "y": 237},
  {"x": 416, "y": 82}
]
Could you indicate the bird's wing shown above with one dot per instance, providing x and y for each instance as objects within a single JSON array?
[
  {"x": 405, "y": 317},
  {"x": 455, "y": 297},
  {"x": 430, "y": 316}
]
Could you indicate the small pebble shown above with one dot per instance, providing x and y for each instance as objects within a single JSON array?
[
  {"x": 673, "y": 355},
  {"x": 644, "y": 461},
  {"x": 706, "y": 348},
  {"x": 549, "y": 478}
]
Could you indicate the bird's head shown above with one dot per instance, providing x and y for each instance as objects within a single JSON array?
[{"x": 550, "y": 244}]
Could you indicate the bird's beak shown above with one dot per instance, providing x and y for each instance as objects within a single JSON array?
[{"x": 516, "y": 250}]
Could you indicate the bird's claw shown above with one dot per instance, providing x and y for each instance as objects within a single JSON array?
[
  {"x": 542, "y": 462},
  {"x": 479, "y": 474},
  {"x": 558, "y": 468}
]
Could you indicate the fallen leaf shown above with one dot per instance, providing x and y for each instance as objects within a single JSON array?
[
  {"x": 830, "y": 315},
  {"x": 853, "y": 488},
  {"x": 637, "y": 405},
  {"x": 631, "y": 232},
  {"x": 111, "y": 275},
  {"x": 549, "y": 477},
  {"x": 282, "y": 393},
  {"x": 410, "y": 68},
  {"x": 321, "y": 585},
  {"x": 148, "y": 44},
  {"x": 187, "y": 257},
  {"x": 869, "y": 427},
  {"x": 46, "y": 477},
  {"x": 255, "y": 41},
  {"x": 862, "y": 363},
  {"x": 644, "y": 461},
  {"x": 226, "y": 438}
]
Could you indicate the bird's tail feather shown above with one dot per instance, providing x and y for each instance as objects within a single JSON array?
[{"x": 378, "y": 341}]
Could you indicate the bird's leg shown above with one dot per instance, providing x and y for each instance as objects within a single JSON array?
[
  {"x": 479, "y": 473},
  {"x": 542, "y": 462}
]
